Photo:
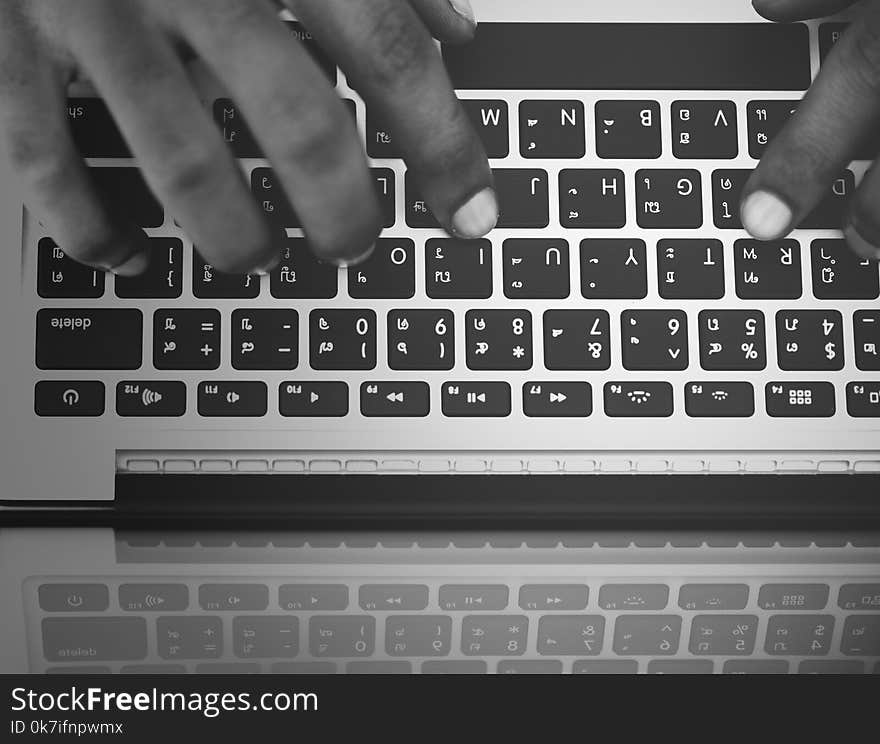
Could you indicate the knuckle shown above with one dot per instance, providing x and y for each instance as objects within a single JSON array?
[{"x": 405, "y": 50}]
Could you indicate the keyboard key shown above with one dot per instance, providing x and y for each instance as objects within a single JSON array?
[
  {"x": 727, "y": 635},
  {"x": 557, "y": 400},
  {"x": 490, "y": 120},
  {"x": 669, "y": 199},
  {"x": 418, "y": 635},
  {"x": 127, "y": 196},
  {"x": 577, "y": 340},
  {"x": 614, "y": 269},
  {"x": 765, "y": 120},
  {"x": 342, "y": 635},
  {"x": 235, "y": 130},
  {"x": 233, "y": 597},
  {"x": 163, "y": 278},
  {"x": 186, "y": 339},
  {"x": 421, "y": 339},
  {"x": 94, "y": 131},
  {"x": 156, "y": 398},
  {"x": 397, "y": 597},
  {"x": 73, "y": 597},
  {"x": 386, "y": 190},
  {"x": 524, "y": 197},
  {"x": 866, "y": 328},
  {"x": 768, "y": 270},
  {"x": 240, "y": 399},
  {"x": 713, "y": 597},
  {"x": 67, "y": 639},
  {"x": 230, "y": 668},
  {"x": 265, "y": 339},
  {"x": 378, "y": 667},
  {"x": 270, "y": 196},
  {"x": 799, "y": 635},
  {"x": 859, "y": 597},
  {"x": 494, "y": 635},
  {"x": 690, "y": 269},
  {"x": 458, "y": 269},
  {"x": 60, "y": 277},
  {"x": 809, "y": 340},
  {"x": 592, "y": 199},
  {"x": 639, "y": 399},
  {"x": 863, "y": 399},
  {"x": 304, "y": 667},
  {"x": 647, "y": 635},
  {"x": 313, "y": 597},
  {"x": 210, "y": 284},
  {"x": 680, "y": 666},
  {"x": 476, "y": 399},
  {"x": 861, "y": 636},
  {"x": 487, "y": 597},
  {"x": 69, "y": 398},
  {"x": 603, "y": 666},
  {"x": 469, "y": 666},
  {"x": 499, "y": 339},
  {"x": 153, "y": 597},
  {"x": 829, "y": 666},
  {"x": 300, "y": 275},
  {"x": 418, "y": 213},
  {"x": 536, "y": 269},
  {"x": 712, "y": 399},
  {"x": 727, "y": 186},
  {"x": 628, "y": 129},
  {"x": 793, "y": 597},
  {"x": 395, "y": 399},
  {"x": 839, "y": 274},
  {"x": 654, "y": 340},
  {"x": 829, "y": 215},
  {"x": 800, "y": 399},
  {"x": 265, "y": 637},
  {"x": 755, "y": 666},
  {"x": 389, "y": 273},
  {"x": 571, "y": 635},
  {"x": 634, "y": 597},
  {"x": 732, "y": 340},
  {"x": 558, "y": 597},
  {"x": 704, "y": 130},
  {"x": 342, "y": 339},
  {"x": 189, "y": 637},
  {"x": 313, "y": 399},
  {"x": 381, "y": 142},
  {"x": 151, "y": 669},
  {"x": 529, "y": 666},
  {"x": 68, "y": 338},
  {"x": 552, "y": 129},
  {"x": 829, "y": 35}
]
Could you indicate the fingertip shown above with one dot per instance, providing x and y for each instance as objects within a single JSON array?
[
  {"x": 766, "y": 216},
  {"x": 135, "y": 265},
  {"x": 860, "y": 245},
  {"x": 477, "y": 216}
]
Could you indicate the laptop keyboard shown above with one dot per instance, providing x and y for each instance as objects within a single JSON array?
[{"x": 619, "y": 253}]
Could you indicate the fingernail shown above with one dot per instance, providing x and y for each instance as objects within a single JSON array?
[
  {"x": 859, "y": 245},
  {"x": 478, "y": 216},
  {"x": 133, "y": 266},
  {"x": 357, "y": 260},
  {"x": 766, "y": 216},
  {"x": 464, "y": 9}
]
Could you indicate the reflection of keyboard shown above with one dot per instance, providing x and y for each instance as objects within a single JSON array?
[{"x": 703, "y": 625}]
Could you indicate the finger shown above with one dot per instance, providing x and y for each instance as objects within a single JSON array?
[
  {"x": 56, "y": 181},
  {"x": 822, "y": 138},
  {"x": 862, "y": 229},
  {"x": 305, "y": 130},
  {"x": 449, "y": 21},
  {"x": 391, "y": 59},
  {"x": 786, "y": 11},
  {"x": 181, "y": 152}
]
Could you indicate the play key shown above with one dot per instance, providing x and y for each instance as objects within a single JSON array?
[
  {"x": 557, "y": 399},
  {"x": 319, "y": 399}
]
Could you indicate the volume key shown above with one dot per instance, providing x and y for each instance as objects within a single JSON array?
[{"x": 150, "y": 399}]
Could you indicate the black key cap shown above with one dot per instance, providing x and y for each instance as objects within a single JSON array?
[
  {"x": 342, "y": 339},
  {"x": 395, "y": 399},
  {"x": 84, "y": 338},
  {"x": 490, "y": 119},
  {"x": 389, "y": 273},
  {"x": 127, "y": 196},
  {"x": 386, "y": 191},
  {"x": 689, "y": 269},
  {"x": 418, "y": 213},
  {"x": 839, "y": 274},
  {"x": 577, "y": 340},
  {"x": 318, "y": 399},
  {"x": 829, "y": 215},
  {"x": 153, "y": 399},
  {"x": 863, "y": 399},
  {"x": 274, "y": 203},
  {"x": 638, "y": 399},
  {"x": 186, "y": 339},
  {"x": 235, "y": 130},
  {"x": 499, "y": 339},
  {"x": 809, "y": 340},
  {"x": 727, "y": 186},
  {"x": 476, "y": 399},
  {"x": 94, "y": 130},
  {"x": 524, "y": 197},
  {"x": 380, "y": 139},
  {"x": 300, "y": 275},
  {"x": 536, "y": 269},
  {"x": 829, "y": 35},
  {"x": 767, "y": 270},
  {"x": 766, "y": 119},
  {"x": 628, "y": 129},
  {"x": 421, "y": 339},
  {"x": 713, "y": 399},
  {"x": 552, "y": 129},
  {"x": 458, "y": 269},
  {"x": 704, "y": 130},
  {"x": 210, "y": 284},
  {"x": 557, "y": 399},
  {"x": 732, "y": 340},
  {"x": 69, "y": 398},
  {"x": 60, "y": 277},
  {"x": 265, "y": 339},
  {"x": 239, "y": 399},
  {"x": 800, "y": 399},
  {"x": 654, "y": 339},
  {"x": 163, "y": 278},
  {"x": 669, "y": 198},
  {"x": 614, "y": 269},
  {"x": 866, "y": 330},
  {"x": 592, "y": 199}
]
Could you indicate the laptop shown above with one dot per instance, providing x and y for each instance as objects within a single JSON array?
[{"x": 618, "y": 354}]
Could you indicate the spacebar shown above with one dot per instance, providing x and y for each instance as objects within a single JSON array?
[{"x": 633, "y": 56}]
